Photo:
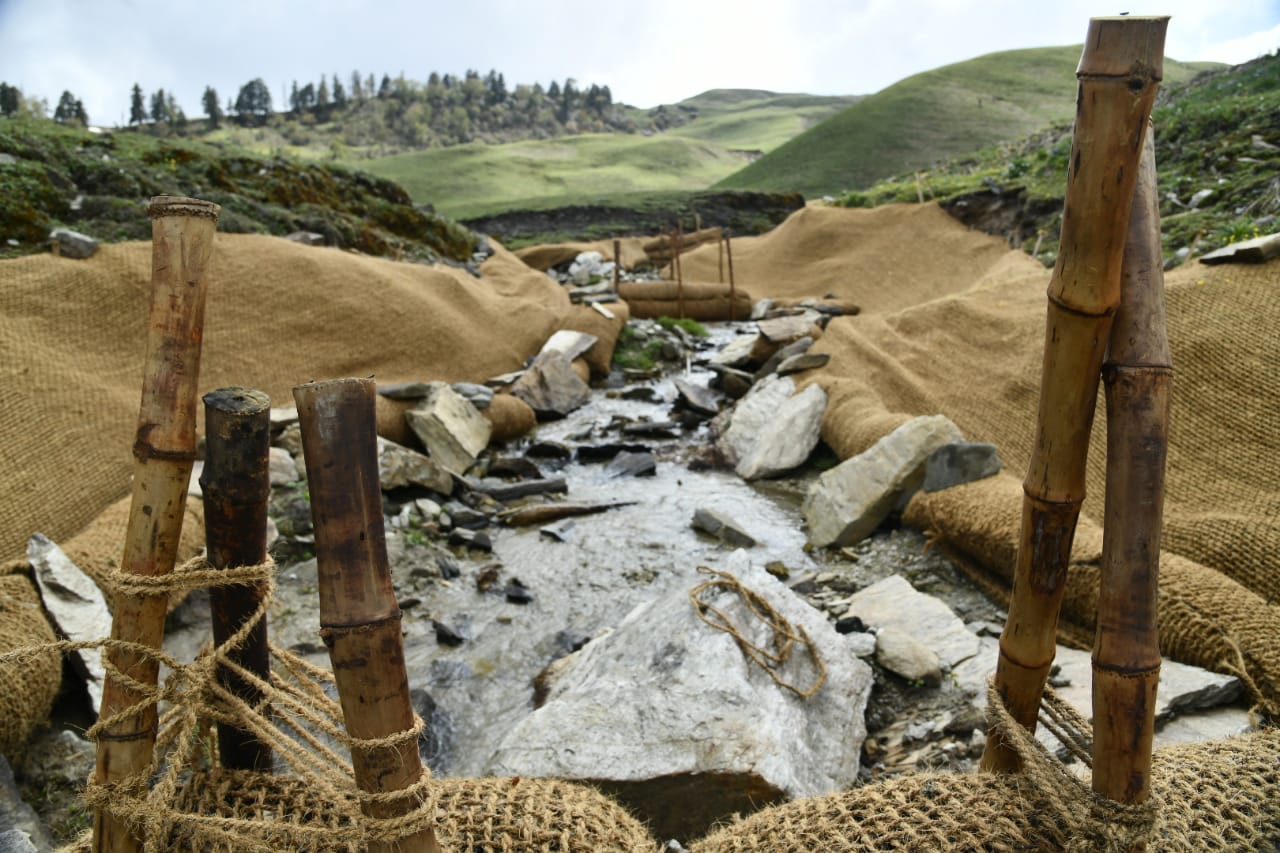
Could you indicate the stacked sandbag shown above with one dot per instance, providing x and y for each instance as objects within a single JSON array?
[{"x": 698, "y": 301}]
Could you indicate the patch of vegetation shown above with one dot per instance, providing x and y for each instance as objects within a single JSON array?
[
  {"x": 685, "y": 324},
  {"x": 1218, "y": 132},
  {"x": 946, "y": 112},
  {"x": 100, "y": 182},
  {"x": 633, "y": 352}
]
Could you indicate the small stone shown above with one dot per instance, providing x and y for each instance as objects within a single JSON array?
[
  {"x": 850, "y": 625},
  {"x": 400, "y": 467},
  {"x": 655, "y": 429},
  {"x": 902, "y": 654},
  {"x": 445, "y": 635},
  {"x": 960, "y": 462},
  {"x": 518, "y": 593},
  {"x": 861, "y": 644},
  {"x": 477, "y": 395},
  {"x": 561, "y": 531},
  {"x": 722, "y": 527},
  {"x": 632, "y": 465},
  {"x": 448, "y": 568},
  {"x": 895, "y": 603},
  {"x": 804, "y": 361},
  {"x": 475, "y": 539},
  {"x": 696, "y": 399},
  {"x": 73, "y": 244}
]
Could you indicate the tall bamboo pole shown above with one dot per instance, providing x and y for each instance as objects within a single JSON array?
[
  {"x": 1119, "y": 72},
  {"x": 359, "y": 618},
  {"x": 237, "y": 484},
  {"x": 1138, "y": 377},
  {"x": 182, "y": 232},
  {"x": 733, "y": 294}
]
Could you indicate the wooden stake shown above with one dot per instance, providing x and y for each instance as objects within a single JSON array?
[
  {"x": 1118, "y": 76},
  {"x": 733, "y": 294},
  {"x": 237, "y": 484},
  {"x": 1138, "y": 376},
  {"x": 720, "y": 257},
  {"x": 677, "y": 245},
  {"x": 359, "y": 618},
  {"x": 617, "y": 264},
  {"x": 182, "y": 232}
]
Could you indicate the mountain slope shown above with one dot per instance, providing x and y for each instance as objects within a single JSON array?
[{"x": 946, "y": 112}]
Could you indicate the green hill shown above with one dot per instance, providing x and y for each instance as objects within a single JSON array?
[
  {"x": 710, "y": 136},
  {"x": 929, "y": 117}
]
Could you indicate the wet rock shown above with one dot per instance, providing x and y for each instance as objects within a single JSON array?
[
  {"x": 465, "y": 516},
  {"x": 477, "y": 395},
  {"x": 501, "y": 490},
  {"x": 797, "y": 347},
  {"x": 399, "y": 467},
  {"x": 58, "y": 757},
  {"x": 736, "y": 354},
  {"x": 445, "y": 635},
  {"x": 802, "y": 362},
  {"x": 734, "y": 383},
  {"x": 905, "y": 656},
  {"x": 632, "y": 465},
  {"x": 477, "y": 540},
  {"x": 514, "y": 466},
  {"x": 518, "y": 593},
  {"x": 448, "y": 568},
  {"x": 572, "y": 344},
  {"x": 848, "y": 502},
  {"x": 633, "y": 713},
  {"x": 643, "y": 393},
  {"x": 73, "y": 244},
  {"x": 959, "y": 463},
  {"x": 451, "y": 429},
  {"x": 76, "y": 607},
  {"x": 16, "y": 815},
  {"x": 722, "y": 527},
  {"x": 561, "y": 531},
  {"x": 654, "y": 429},
  {"x": 696, "y": 399},
  {"x": 850, "y": 625},
  {"x": 281, "y": 467},
  {"x": 895, "y": 603},
  {"x": 549, "y": 450},
  {"x": 604, "y": 452},
  {"x": 551, "y": 387},
  {"x": 773, "y": 429}
]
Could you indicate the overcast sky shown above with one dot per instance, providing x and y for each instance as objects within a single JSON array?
[{"x": 647, "y": 53}]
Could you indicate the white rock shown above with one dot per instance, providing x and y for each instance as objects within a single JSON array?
[
  {"x": 571, "y": 343},
  {"x": 400, "y": 466},
  {"x": 451, "y": 429},
  {"x": 902, "y": 654},
  {"x": 848, "y": 502},
  {"x": 670, "y": 712},
  {"x": 75, "y": 605},
  {"x": 894, "y": 603},
  {"x": 282, "y": 467},
  {"x": 772, "y": 429}
]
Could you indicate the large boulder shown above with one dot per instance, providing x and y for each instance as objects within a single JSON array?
[
  {"x": 669, "y": 714},
  {"x": 451, "y": 429},
  {"x": 551, "y": 387},
  {"x": 772, "y": 429},
  {"x": 848, "y": 502}
]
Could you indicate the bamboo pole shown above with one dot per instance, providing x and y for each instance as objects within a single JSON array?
[
  {"x": 1118, "y": 76},
  {"x": 1138, "y": 377},
  {"x": 182, "y": 232},
  {"x": 677, "y": 246},
  {"x": 733, "y": 295},
  {"x": 359, "y": 618},
  {"x": 236, "y": 483}
]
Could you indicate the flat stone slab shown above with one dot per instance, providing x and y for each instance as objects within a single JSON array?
[
  {"x": 451, "y": 429},
  {"x": 551, "y": 387},
  {"x": 736, "y": 353},
  {"x": 895, "y": 603},
  {"x": 802, "y": 362},
  {"x": 76, "y": 606},
  {"x": 848, "y": 502},
  {"x": 696, "y": 399},
  {"x": 571, "y": 344},
  {"x": 722, "y": 527},
  {"x": 668, "y": 714},
  {"x": 772, "y": 429},
  {"x": 399, "y": 467},
  {"x": 1253, "y": 251}
]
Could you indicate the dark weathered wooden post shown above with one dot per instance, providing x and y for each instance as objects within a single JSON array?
[
  {"x": 182, "y": 232},
  {"x": 359, "y": 618},
  {"x": 237, "y": 485}
]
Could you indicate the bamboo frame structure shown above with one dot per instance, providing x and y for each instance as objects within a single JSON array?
[
  {"x": 1138, "y": 376},
  {"x": 237, "y": 484},
  {"x": 359, "y": 617},
  {"x": 1118, "y": 75},
  {"x": 182, "y": 232}
]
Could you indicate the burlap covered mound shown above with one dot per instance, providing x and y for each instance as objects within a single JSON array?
[
  {"x": 26, "y": 692},
  {"x": 701, "y": 301},
  {"x": 1222, "y": 796},
  {"x": 881, "y": 260},
  {"x": 975, "y": 357},
  {"x": 278, "y": 314}
]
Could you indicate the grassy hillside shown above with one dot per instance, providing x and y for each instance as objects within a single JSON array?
[
  {"x": 1218, "y": 132},
  {"x": 466, "y": 181},
  {"x": 98, "y": 183},
  {"x": 716, "y": 129},
  {"x": 926, "y": 118}
]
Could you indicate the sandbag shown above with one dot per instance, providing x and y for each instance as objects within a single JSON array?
[
  {"x": 704, "y": 302},
  {"x": 390, "y": 423},
  {"x": 510, "y": 416}
]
